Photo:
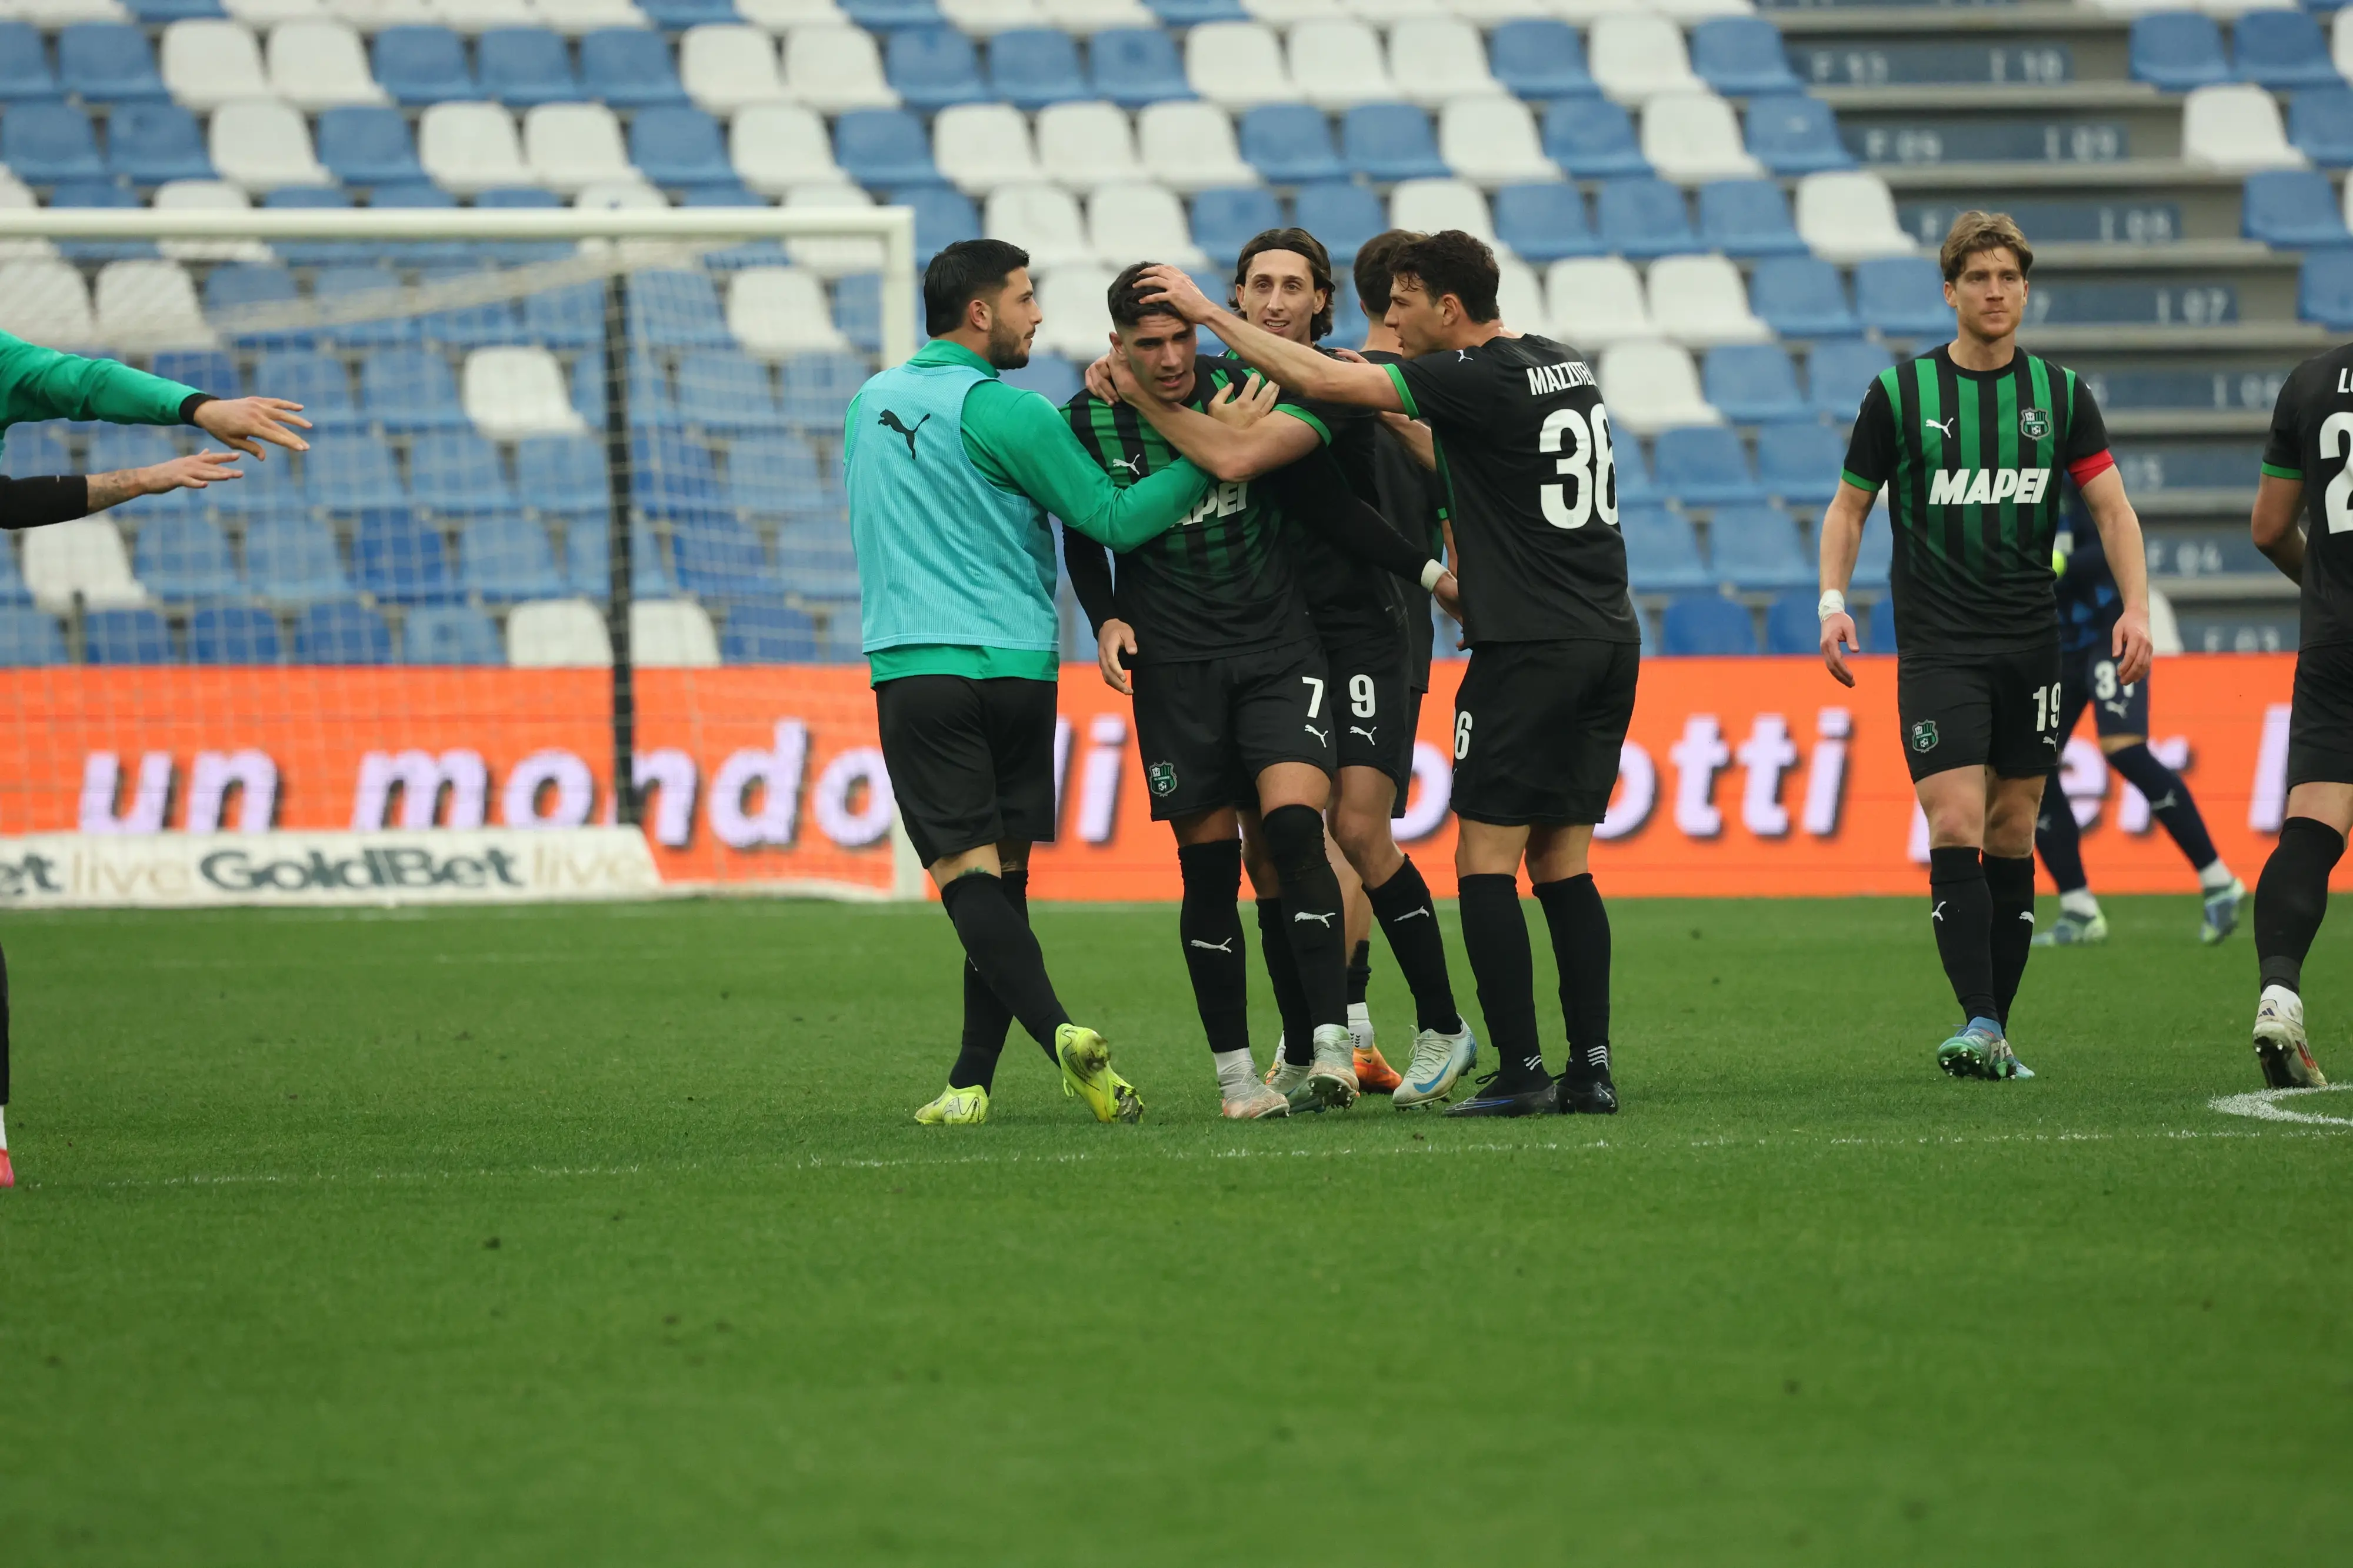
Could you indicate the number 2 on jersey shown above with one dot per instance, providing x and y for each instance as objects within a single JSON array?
[
  {"x": 2337, "y": 499},
  {"x": 1590, "y": 462}
]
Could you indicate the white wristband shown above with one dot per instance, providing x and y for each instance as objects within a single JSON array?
[
  {"x": 1834, "y": 603},
  {"x": 1432, "y": 571}
]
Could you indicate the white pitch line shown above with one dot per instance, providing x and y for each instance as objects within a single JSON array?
[{"x": 2265, "y": 1106}]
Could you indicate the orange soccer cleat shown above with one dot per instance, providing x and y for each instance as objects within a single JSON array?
[
  {"x": 8, "y": 1171},
  {"x": 1374, "y": 1074}
]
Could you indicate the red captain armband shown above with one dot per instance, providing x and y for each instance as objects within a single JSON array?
[{"x": 2084, "y": 470}]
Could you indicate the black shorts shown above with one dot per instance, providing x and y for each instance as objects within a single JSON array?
[
  {"x": 2320, "y": 730},
  {"x": 1208, "y": 728},
  {"x": 1538, "y": 727},
  {"x": 2089, "y": 680},
  {"x": 1991, "y": 709},
  {"x": 971, "y": 761},
  {"x": 1378, "y": 712}
]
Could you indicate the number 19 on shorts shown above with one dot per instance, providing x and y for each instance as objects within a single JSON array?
[{"x": 2046, "y": 708}]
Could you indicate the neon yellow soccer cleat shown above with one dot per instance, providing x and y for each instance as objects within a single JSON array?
[
  {"x": 956, "y": 1108},
  {"x": 1086, "y": 1073}
]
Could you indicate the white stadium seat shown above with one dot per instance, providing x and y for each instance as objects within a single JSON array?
[
  {"x": 1429, "y": 206},
  {"x": 775, "y": 146},
  {"x": 15, "y": 198},
  {"x": 1083, "y": 145},
  {"x": 575, "y": 17},
  {"x": 1292, "y": 12},
  {"x": 269, "y": 13},
  {"x": 470, "y": 147},
  {"x": 1339, "y": 63},
  {"x": 836, "y": 68},
  {"x": 207, "y": 64},
  {"x": 1692, "y": 138},
  {"x": 558, "y": 634},
  {"x": 1237, "y": 65},
  {"x": 1432, "y": 61},
  {"x": 472, "y": 16},
  {"x": 671, "y": 634},
  {"x": 986, "y": 18},
  {"x": 1125, "y": 222},
  {"x": 1388, "y": 12},
  {"x": 1850, "y": 215},
  {"x": 2340, "y": 44},
  {"x": 728, "y": 68},
  {"x": 1598, "y": 301},
  {"x": 1519, "y": 298},
  {"x": 374, "y": 15},
  {"x": 44, "y": 302},
  {"x": 1637, "y": 54},
  {"x": 319, "y": 65},
  {"x": 625, "y": 192},
  {"x": 206, "y": 195},
  {"x": 980, "y": 146},
  {"x": 86, "y": 557},
  {"x": 2236, "y": 128},
  {"x": 1700, "y": 302},
  {"x": 1078, "y": 321},
  {"x": 1493, "y": 13},
  {"x": 1653, "y": 386},
  {"x": 571, "y": 146},
  {"x": 1691, "y": 13},
  {"x": 1492, "y": 142},
  {"x": 148, "y": 305},
  {"x": 782, "y": 16},
  {"x": 1088, "y": 17},
  {"x": 262, "y": 145},
  {"x": 1042, "y": 220},
  {"x": 832, "y": 258},
  {"x": 511, "y": 392},
  {"x": 776, "y": 310},
  {"x": 1190, "y": 147}
]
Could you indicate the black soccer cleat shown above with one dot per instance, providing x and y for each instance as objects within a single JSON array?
[
  {"x": 1493, "y": 1098},
  {"x": 1595, "y": 1096}
]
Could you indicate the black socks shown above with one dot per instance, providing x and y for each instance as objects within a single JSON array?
[
  {"x": 2057, "y": 837},
  {"x": 1282, "y": 973},
  {"x": 1580, "y": 948},
  {"x": 1211, "y": 931},
  {"x": 2168, "y": 802},
  {"x": 2010, "y": 889},
  {"x": 1360, "y": 973},
  {"x": 996, "y": 938},
  {"x": 1312, "y": 912},
  {"x": 2290, "y": 900},
  {"x": 1409, "y": 920},
  {"x": 1961, "y": 910},
  {"x": 985, "y": 1015},
  {"x": 1495, "y": 935}
]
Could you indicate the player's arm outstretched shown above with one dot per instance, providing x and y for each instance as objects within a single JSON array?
[
  {"x": 1237, "y": 441},
  {"x": 61, "y": 498},
  {"x": 1304, "y": 371},
  {"x": 1027, "y": 439}
]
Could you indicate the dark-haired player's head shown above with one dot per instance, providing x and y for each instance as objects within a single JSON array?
[
  {"x": 1158, "y": 343},
  {"x": 1985, "y": 261},
  {"x": 977, "y": 293},
  {"x": 1376, "y": 260},
  {"x": 1441, "y": 292},
  {"x": 1283, "y": 284}
]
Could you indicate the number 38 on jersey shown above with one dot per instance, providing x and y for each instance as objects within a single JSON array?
[{"x": 1589, "y": 473}]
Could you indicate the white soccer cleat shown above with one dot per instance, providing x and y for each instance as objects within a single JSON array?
[
  {"x": 1331, "y": 1076},
  {"x": 2280, "y": 1047},
  {"x": 1255, "y": 1103},
  {"x": 1438, "y": 1061}
]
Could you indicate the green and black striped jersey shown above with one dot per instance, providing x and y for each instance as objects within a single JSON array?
[
  {"x": 1973, "y": 461},
  {"x": 1223, "y": 581}
]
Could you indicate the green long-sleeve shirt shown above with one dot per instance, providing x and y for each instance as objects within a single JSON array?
[
  {"x": 37, "y": 383},
  {"x": 1020, "y": 442}
]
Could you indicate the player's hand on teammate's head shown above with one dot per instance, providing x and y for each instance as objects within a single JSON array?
[
  {"x": 1117, "y": 637},
  {"x": 1173, "y": 286},
  {"x": 1838, "y": 636},
  {"x": 1099, "y": 380},
  {"x": 245, "y": 423},
  {"x": 2132, "y": 647},
  {"x": 190, "y": 473},
  {"x": 1243, "y": 404}
]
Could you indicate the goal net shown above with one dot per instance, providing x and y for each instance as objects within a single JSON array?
[{"x": 568, "y": 545}]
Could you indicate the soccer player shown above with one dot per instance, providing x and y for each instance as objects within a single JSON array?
[
  {"x": 1235, "y": 705},
  {"x": 2089, "y": 602},
  {"x": 1542, "y": 710},
  {"x": 2304, "y": 476},
  {"x": 1970, "y": 440},
  {"x": 950, "y": 473}
]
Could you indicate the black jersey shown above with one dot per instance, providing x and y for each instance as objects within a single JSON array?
[
  {"x": 1358, "y": 609},
  {"x": 1413, "y": 501},
  {"x": 1972, "y": 461},
  {"x": 1524, "y": 447},
  {"x": 2312, "y": 436}
]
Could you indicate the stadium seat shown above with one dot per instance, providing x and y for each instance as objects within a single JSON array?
[
  {"x": 446, "y": 634},
  {"x": 629, "y": 68},
  {"x": 673, "y": 477},
  {"x": 884, "y": 147},
  {"x": 1747, "y": 218},
  {"x": 209, "y": 63},
  {"x": 572, "y": 146},
  {"x": 1850, "y": 216},
  {"x": 423, "y": 65},
  {"x": 407, "y": 391},
  {"x": 815, "y": 559},
  {"x": 1189, "y": 147},
  {"x": 98, "y": 194},
  {"x": 1438, "y": 59},
  {"x": 1636, "y": 55},
  {"x": 46, "y": 301},
  {"x": 1044, "y": 220},
  {"x": 1705, "y": 625},
  {"x": 1838, "y": 370},
  {"x": 1337, "y": 62},
  {"x": 1802, "y": 297},
  {"x": 673, "y": 15},
  {"x": 1237, "y": 65},
  {"x": 882, "y": 16},
  {"x": 474, "y": 17},
  {"x": 1635, "y": 485},
  {"x": 1191, "y": 13},
  {"x": 470, "y": 147},
  {"x": 981, "y": 146},
  {"x": 352, "y": 472},
  {"x": 1797, "y": 461},
  {"x": 206, "y": 370},
  {"x": 399, "y": 560},
  {"x": 523, "y": 67},
  {"x": 47, "y": 142},
  {"x": 1642, "y": 217},
  {"x": 1036, "y": 67},
  {"x": 1289, "y": 143},
  {"x": 1704, "y": 465},
  {"x": 33, "y": 450},
  {"x": 151, "y": 143},
  {"x": 1879, "y": 635},
  {"x": 1077, "y": 321},
  {"x": 754, "y": 634},
  {"x": 1791, "y": 627},
  {"x": 1224, "y": 221},
  {"x": 933, "y": 68},
  {"x": 457, "y": 473},
  {"x": 561, "y": 473},
  {"x": 184, "y": 557},
  {"x": 374, "y": 289},
  {"x": 723, "y": 390},
  {"x": 1597, "y": 300},
  {"x": 1492, "y": 142},
  {"x": 556, "y": 634},
  {"x": 1051, "y": 376},
  {"x": 368, "y": 146},
  {"x": 2292, "y": 209},
  {"x": 107, "y": 62},
  {"x": 1872, "y": 564},
  {"x": 1741, "y": 56},
  {"x": 142, "y": 303},
  {"x": 777, "y": 476},
  {"x": 1125, "y": 221},
  {"x": 1089, "y": 18},
  {"x": 720, "y": 558},
  {"x": 342, "y": 632},
  {"x": 234, "y": 634},
  {"x": 1652, "y": 387},
  {"x": 1543, "y": 222},
  {"x": 263, "y": 145},
  {"x": 119, "y": 637},
  {"x": 1791, "y": 134},
  {"x": 29, "y": 639},
  {"x": 1539, "y": 59},
  {"x": 1426, "y": 206},
  {"x": 834, "y": 70},
  {"x": 1902, "y": 297},
  {"x": 318, "y": 382},
  {"x": 84, "y": 556},
  {"x": 1385, "y": 142},
  {"x": 729, "y": 68},
  {"x": 2177, "y": 50},
  {"x": 2233, "y": 126},
  {"x": 25, "y": 73},
  {"x": 1753, "y": 382},
  {"x": 2281, "y": 49},
  {"x": 775, "y": 146},
  {"x": 504, "y": 556},
  {"x": 1692, "y": 137},
  {"x": 778, "y": 310},
  {"x": 2324, "y": 289},
  {"x": 1756, "y": 549},
  {"x": 1592, "y": 138},
  {"x": 2320, "y": 126},
  {"x": 319, "y": 65},
  {"x": 679, "y": 147},
  {"x": 291, "y": 559},
  {"x": 1134, "y": 67},
  {"x": 1082, "y": 145},
  {"x": 671, "y": 308},
  {"x": 1661, "y": 553}
]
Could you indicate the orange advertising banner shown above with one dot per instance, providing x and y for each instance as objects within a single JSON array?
[{"x": 1749, "y": 776}]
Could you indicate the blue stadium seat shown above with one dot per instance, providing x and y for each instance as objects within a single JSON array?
[
  {"x": 1802, "y": 297},
  {"x": 125, "y": 636},
  {"x": 184, "y": 557},
  {"x": 457, "y": 472},
  {"x": 1751, "y": 381},
  {"x": 588, "y": 562},
  {"x": 1879, "y": 635},
  {"x": 523, "y": 252},
  {"x": 758, "y": 633},
  {"x": 148, "y": 144},
  {"x": 1540, "y": 58},
  {"x": 505, "y": 556},
  {"x": 370, "y": 287},
  {"x": 316, "y": 252},
  {"x": 722, "y": 390},
  {"x": 1902, "y": 297},
  {"x": 1791, "y": 626},
  {"x": 571, "y": 317},
  {"x": 1593, "y": 139},
  {"x": 2325, "y": 290},
  {"x": 1051, "y": 376},
  {"x": 779, "y": 476},
  {"x": 676, "y": 309},
  {"x": 857, "y": 310},
  {"x": 2292, "y": 209},
  {"x": 1544, "y": 222},
  {"x": 1799, "y": 459},
  {"x": 1742, "y": 56},
  {"x": 675, "y": 14},
  {"x": 2177, "y": 50},
  {"x": 1134, "y": 67},
  {"x": 12, "y": 583},
  {"x": 1703, "y": 624},
  {"x": 884, "y": 147},
  {"x": 1791, "y": 134},
  {"x": 1661, "y": 553},
  {"x": 368, "y": 146},
  {"x": 2320, "y": 124},
  {"x": 1636, "y": 488},
  {"x": 1341, "y": 214},
  {"x": 420, "y": 64},
  {"x": 485, "y": 325},
  {"x": 399, "y": 560},
  {"x": 234, "y": 634},
  {"x": 1838, "y": 371},
  {"x": 1031, "y": 68},
  {"x": 351, "y": 473},
  {"x": 1289, "y": 143},
  {"x": 1873, "y": 561},
  {"x": 943, "y": 216},
  {"x": 206, "y": 370},
  {"x": 880, "y": 15},
  {"x": 1704, "y": 465},
  {"x": 422, "y": 252},
  {"x": 933, "y": 68},
  {"x": 98, "y": 194},
  {"x": 1390, "y": 142},
  {"x": 564, "y": 473},
  {"x": 677, "y": 147},
  {"x": 292, "y": 559},
  {"x": 113, "y": 446},
  {"x": 33, "y": 450},
  {"x": 629, "y": 68},
  {"x": 817, "y": 389},
  {"x": 47, "y": 142},
  {"x": 251, "y": 287},
  {"x": 1642, "y": 215},
  {"x": 1747, "y": 218},
  {"x": 24, "y": 74},
  {"x": 1225, "y": 219},
  {"x": 270, "y": 489},
  {"x": 1756, "y": 548},
  {"x": 29, "y": 639},
  {"x": 450, "y": 634},
  {"x": 651, "y": 406},
  {"x": 340, "y": 632},
  {"x": 815, "y": 557},
  {"x": 108, "y": 62},
  {"x": 524, "y": 67},
  {"x": 316, "y": 381},
  {"x": 720, "y": 558},
  {"x": 673, "y": 477},
  {"x": 156, "y": 12},
  {"x": 1193, "y": 13},
  {"x": 2282, "y": 50}
]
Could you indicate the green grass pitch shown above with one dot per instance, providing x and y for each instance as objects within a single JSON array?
[{"x": 602, "y": 1235}]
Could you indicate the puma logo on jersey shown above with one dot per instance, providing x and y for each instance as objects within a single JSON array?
[
  {"x": 1322, "y": 737},
  {"x": 1223, "y": 501},
  {"x": 1944, "y": 428},
  {"x": 1369, "y": 738},
  {"x": 2119, "y": 705},
  {"x": 1544, "y": 379},
  {"x": 1987, "y": 487},
  {"x": 1323, "y": 920},
  {"x": 1134, "y": 466},
  {"x": 1461, "y": 356},
  {"x": 1225, "y": 946},
  {"x": 889, "y": 421}
]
